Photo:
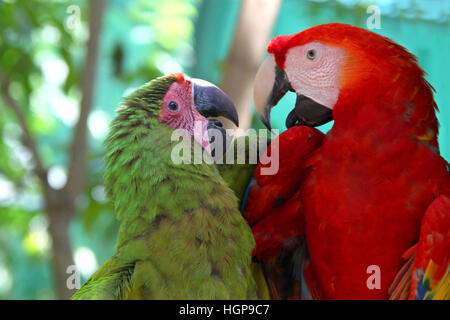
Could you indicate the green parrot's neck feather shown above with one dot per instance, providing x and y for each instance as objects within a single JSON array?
[{"x": 181, "y": 219}]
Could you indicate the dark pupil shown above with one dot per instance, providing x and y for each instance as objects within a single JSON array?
[
  {"x": 173, "y": 106},
  {"x": 311, "y": 53}
]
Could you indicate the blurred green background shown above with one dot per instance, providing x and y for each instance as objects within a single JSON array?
[{"x": 64, "y": 67}]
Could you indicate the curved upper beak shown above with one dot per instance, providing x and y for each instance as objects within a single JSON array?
[
  {"x": 271, "y": 84},
  {"x": 211, "y": 101}
]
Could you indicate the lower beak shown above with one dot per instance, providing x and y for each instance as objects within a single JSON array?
[
  {"x": 309, "y": 113},
  {"x": 271, "y": 84},
  {"x": 210, "y": 101}
]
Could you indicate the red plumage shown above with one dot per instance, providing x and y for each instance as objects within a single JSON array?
[{"x": 362, "y": 190}]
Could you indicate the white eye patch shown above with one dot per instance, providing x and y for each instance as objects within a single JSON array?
[{"x": 313, "y": 70}]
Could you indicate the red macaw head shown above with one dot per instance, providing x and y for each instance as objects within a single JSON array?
[{"x": 334, "y": 66}]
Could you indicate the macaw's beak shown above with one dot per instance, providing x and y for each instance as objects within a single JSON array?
[
  {"x": 271, "y": 84},
  {"x": 210, "y": 101}
]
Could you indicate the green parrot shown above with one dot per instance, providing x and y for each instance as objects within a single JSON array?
[{"x": 181, "y": 234}]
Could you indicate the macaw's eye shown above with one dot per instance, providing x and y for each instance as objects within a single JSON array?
[
  {"x": 173, "y": 106},
  {"x": 311, "y": 54}
]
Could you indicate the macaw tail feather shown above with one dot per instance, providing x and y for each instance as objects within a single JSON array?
[{"x": 430, "y": 286}]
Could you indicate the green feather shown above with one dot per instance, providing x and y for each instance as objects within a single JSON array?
[{"x": 238, "y": 176}]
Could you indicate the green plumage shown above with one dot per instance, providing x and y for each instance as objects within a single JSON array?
[
  {"x": 237, "y": 175},
  {"x": 238, "y": 172},
  {"x": 181, "y": 235}
]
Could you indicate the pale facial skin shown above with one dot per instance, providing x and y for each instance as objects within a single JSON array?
[{"x": 313, "y": 71}]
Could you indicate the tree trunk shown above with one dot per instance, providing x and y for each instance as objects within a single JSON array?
[
  {"x": 60, "y": 204},
  {"x": 59, "y": 215},
  {"x": 254, "y": 27},
  {"x": 77, "y": 166}
]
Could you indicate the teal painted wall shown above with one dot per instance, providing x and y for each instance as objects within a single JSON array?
[{"x": 428, "y": 39}]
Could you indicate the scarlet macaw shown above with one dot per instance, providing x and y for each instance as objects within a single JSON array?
[{"x": 371, "y": 194}]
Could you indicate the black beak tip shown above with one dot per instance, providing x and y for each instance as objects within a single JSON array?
[
  {"x": 265, "y": 119},
  {"x": 234, "y": 115}
]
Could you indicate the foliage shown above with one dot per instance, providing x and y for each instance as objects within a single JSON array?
[
  {"x": 32, "y": 37},
  {"x": 41, "y": 59}
]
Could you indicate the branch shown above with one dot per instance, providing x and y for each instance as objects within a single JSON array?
[
  {"x": 78, "y": 163},
  {"x": 28, "y": 140},
  {"x": 254, "y": 26}
]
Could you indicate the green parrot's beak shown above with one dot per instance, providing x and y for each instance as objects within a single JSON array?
[{"x": 210, "y": 101}]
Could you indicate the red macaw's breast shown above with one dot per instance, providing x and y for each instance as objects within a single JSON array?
[{"x": 363, "y": 209}]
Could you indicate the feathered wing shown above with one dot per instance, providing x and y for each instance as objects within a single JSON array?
[
  {"x": 203, "y": 253},
  {"x": 110, "y": 282},
  {"x": 430, "y": 273},
  {"x": 426, "y": 272},
  {"x": 274, "y": 211}
]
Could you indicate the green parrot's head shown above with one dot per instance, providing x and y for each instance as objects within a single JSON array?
[{"x": 180, "y": 102}]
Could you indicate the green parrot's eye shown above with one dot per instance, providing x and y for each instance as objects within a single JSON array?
[
  {"x": 173, "y": 106},
  {"x": 311, "y": 54}
]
